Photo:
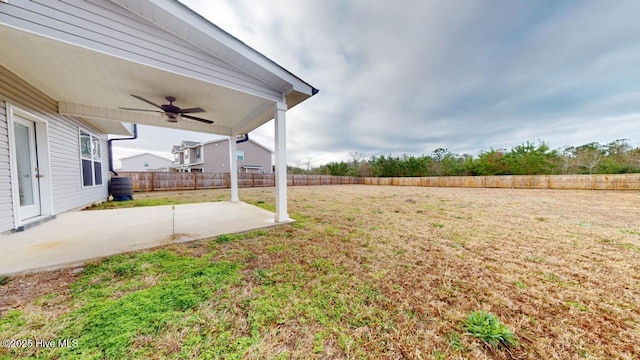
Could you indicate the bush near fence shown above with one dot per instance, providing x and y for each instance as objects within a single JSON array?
[{"x": 159, "y": 181}]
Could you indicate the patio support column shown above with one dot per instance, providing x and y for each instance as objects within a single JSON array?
[
  {"x": 233, "y": 168},
  {"x": 281, "y": 162}
]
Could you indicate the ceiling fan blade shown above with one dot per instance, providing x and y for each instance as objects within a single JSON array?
[
  {"x": 197, "y": 119},
  {"x": 131, "y": 109},
  {"x": 193, "y": 110},
  {"x": 147, "y": 101}
]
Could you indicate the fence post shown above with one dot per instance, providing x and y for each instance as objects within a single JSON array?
[
  {"x": 195, "y": 182},
  {"x": 153, "y": 179}
]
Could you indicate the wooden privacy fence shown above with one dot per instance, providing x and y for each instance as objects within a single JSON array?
[
  {"x": 152, "y": 181},
  {"x": 573, "y": 182}
]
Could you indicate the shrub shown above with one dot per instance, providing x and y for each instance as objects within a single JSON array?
[{"x": 488, "y": 328}]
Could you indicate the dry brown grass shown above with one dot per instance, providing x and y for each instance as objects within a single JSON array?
[{"x": 407, "y": 264}]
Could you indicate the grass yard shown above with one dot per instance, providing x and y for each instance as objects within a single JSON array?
[{"x": 365, "y": 272}]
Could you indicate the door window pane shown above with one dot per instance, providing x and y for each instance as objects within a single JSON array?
[{"x": 24, "y": 165}]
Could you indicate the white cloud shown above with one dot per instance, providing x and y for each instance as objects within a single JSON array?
[{"x": 409, "y": 77}]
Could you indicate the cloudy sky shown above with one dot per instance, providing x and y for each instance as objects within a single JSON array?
[{"x": 411, "y": 76}]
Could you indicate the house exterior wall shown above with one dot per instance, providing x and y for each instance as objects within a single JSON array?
[
  {"x": 137, "y": 163},
  {"x": 216, "y": 157},
  {"x": 106, "y": 27},
  {"x": 254, "y": 155},
  {"x": 6, "y": 198},
  {"x": 64, "y": 150}
]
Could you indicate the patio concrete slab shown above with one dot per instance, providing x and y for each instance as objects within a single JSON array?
[{"x": 77, "y": 237}]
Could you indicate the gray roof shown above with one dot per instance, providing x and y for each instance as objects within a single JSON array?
[{"x": 186, "y": 143}]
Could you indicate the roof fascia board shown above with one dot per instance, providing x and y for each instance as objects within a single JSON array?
[{"x": 197, "y": 24}]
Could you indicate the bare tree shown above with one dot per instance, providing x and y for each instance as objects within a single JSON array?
[
  {"x": 308, "y": 164},
  {"x": 589, "y": 155},
  {"x": 356, "y": 157}
]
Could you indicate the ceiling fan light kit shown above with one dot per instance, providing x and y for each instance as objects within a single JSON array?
[
  {"x": 170, "y": 117},
  {"x": 170, "y": 112}
]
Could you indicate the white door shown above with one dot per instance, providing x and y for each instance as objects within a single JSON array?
[{"x": 27, "y": 166}]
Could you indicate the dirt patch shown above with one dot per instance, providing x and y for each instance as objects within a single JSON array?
[{"x": 21, "y": 290}]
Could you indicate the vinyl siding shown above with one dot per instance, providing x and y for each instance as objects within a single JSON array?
[
  {"x": 64, "y": 149},
  {"x": 254, "y": 155},
  {"x": 6, "y": 200},
  {"x": 216, "y": 156},
  {"x": 106, "y": 27},
  {"x": 136, "y": 163}
]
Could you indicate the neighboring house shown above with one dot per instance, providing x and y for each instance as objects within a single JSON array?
[
  {"x": 145, "y": 162},
  {"x": 214, "y": 157},
  {"x": 68, "y": 71}
]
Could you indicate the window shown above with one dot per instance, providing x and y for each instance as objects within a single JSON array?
[
  {"x": 146, "y": 164},
  {"x": 240, "y": 155},
  {"x": 198, "y": 153},
  {"x": 91, "y": 159},
  {"x": 186, "y": 154}
]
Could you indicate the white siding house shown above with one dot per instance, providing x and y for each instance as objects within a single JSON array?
[
  {"x": 145, "y": 162},
  {"x": 68, "y": 73},
  {"x": 55, "y": 176}
]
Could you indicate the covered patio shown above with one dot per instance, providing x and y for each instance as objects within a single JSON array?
[
  {"x": 109, "y": 64},
  {"x": 75, "y": 238},
  {"x": 114, "y": 63}
]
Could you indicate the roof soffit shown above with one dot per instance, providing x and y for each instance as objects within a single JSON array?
[{"x": 171, "y": 15}]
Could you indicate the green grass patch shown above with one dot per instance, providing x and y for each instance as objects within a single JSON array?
[
  {"x": 264, "y": 205},
  {"x": 632, "y": 232},
  {"x": 489, "y": 329},
  {"x": 136, "y": 203},
  {"x": 229, "y": 238},
  {"x": 577, "y": 305},
  {"x": 319, "y": 293},
  {"x": 128, "y": 297},
  {"x": 453, "y": 339},
  {"x": 624, "y": 245}
]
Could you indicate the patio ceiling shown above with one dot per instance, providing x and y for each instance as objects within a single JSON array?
[{"x": 92, "y": 80}]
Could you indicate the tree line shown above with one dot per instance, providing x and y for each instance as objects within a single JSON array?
[{"x": 616, "y": 157}]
